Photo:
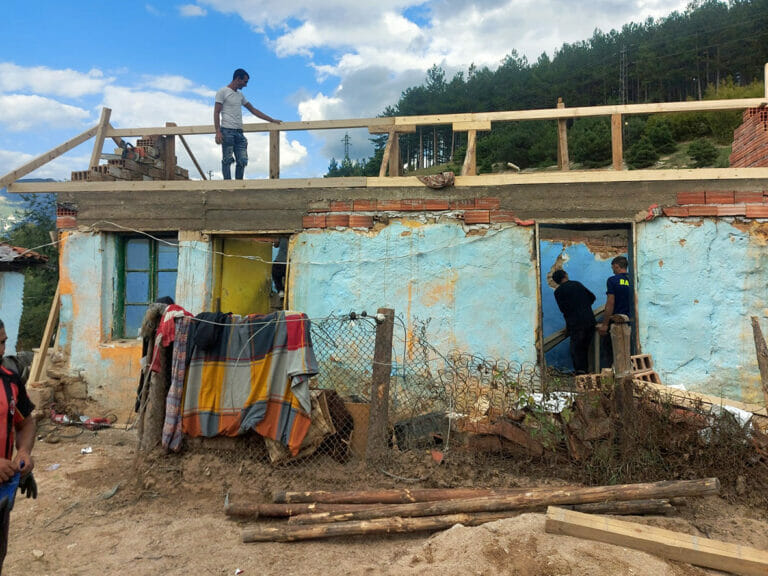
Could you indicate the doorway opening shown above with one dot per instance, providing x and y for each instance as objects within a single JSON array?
[{"x": 585, "y": 252}]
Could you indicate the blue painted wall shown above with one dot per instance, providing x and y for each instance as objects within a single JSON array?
[
  {"x": 478, "y": 287},
  {"x": 11, "y": 295},
  {"x": 698, "y": 284}
]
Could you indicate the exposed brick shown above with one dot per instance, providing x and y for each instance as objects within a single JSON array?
[
  {"x": 360, "y": 221},
  {"x": 391, "y": 205},
  {"x": 502, "y": 216},
  {"x": 529, "y": 222},
  {"x": 365, "y": 205},
  {"x": 66, "y": 221},
  {"x": 477, "y": 217},
  {"x": 757, "y": 210},
  {"x": 691, "y": 197},
  {"x": 313, "y": 221},
  {"x": 487, "y": 203},
  {"x": 733, "y": 210},
  {"x": 676, "y": 211},
  {"x": 412, "y": 204},
  {"x": 463, "y": 204},
  {"x": 747, "y": 197},
  {"x": 436, "y": 204},
  {"x": 704, "y": 210},
  {"x": 339, "y": 206},
  {"x": 334, "y": 220},
  {"x": 719, "y": 197}
]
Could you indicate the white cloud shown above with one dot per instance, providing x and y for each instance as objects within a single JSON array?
[
  {"x": 172, "y": 83},
  {"x": 191, "y": 10},
  {"x": 19, "y": 112},
  {"x": 42, "y": 80}
]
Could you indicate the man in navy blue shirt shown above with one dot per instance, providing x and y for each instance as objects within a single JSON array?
[
  {"x": 619, "y": 298},
  {"x": 575, "y": 302}
]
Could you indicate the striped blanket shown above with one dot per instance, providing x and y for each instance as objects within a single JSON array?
[{"x": 256, "y": 377}]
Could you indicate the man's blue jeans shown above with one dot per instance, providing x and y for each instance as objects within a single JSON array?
[{"x": 233, "y": 142}]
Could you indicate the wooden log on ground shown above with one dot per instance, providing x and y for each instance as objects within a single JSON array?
[
  {"x": 295, "y": 532},
  {"x": 270, "y": 510},
  {"x": 660, "y": 542},
  {"x": 525, "y": 500},
  {"x": 399, "y": 496},
  {"x": 626, "y": 508}
]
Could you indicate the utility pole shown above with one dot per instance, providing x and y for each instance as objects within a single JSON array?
[
  {"x": 623, "y": 76},
  {"x": 346, "y": 140}
]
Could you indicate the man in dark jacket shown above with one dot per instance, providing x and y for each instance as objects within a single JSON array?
[{"x": 575, "y": 302}]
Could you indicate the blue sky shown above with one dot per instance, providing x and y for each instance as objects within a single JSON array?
[{"x": 154, "y": 62}]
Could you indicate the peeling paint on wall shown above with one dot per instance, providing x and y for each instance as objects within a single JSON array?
[
  {"x": 695, "y": 310},
  {"x": 479, "y": 291}
]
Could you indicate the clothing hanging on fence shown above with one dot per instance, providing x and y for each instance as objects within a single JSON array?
[{"x": 255, "y": 376}]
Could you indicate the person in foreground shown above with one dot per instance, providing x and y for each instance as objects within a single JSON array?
[
  {"x": 15, "y": 423},
  {"x": 575, "y": 302},
  {"x": 228, "y": 121}
]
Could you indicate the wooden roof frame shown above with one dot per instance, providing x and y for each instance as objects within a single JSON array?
[{"x": 393, "y": 126}]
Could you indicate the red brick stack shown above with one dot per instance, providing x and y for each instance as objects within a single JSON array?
[
  {"x": 141, "y": 162},
  {"x": 750, "y": 140}
]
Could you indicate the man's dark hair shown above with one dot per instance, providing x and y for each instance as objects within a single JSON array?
[
  {"x": 165, "y": 300},
  {"x": 2, "y": 325},
  {"x": 240, "y": 73},
  {"x": 558, "y": 275},
  {"x": 621, "y": 262}
]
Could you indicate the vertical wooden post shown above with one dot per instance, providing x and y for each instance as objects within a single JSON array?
[
  {"x": 38, "y": 361},
  {"x": 762, "y": 356},
  {"x": 378, "y": 423},
  {"x": 169, "y": 155},
  {"x": 274, "y": 154},
  {"x": 563, "y": 162},
  {"x": 394, "y": 154},
  {"x": 387, "y": 153},
  {"x": 469, "y": 168},
  {"x": 623, "y": 395},
  {"x": 617, "y": 143},
  {"x": 100, "y": 131}
]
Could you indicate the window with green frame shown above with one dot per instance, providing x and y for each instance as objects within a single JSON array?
[{"x": 147, "y": 270}]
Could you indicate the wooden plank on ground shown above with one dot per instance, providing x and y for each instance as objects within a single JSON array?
[{"x": 658, "y": 541}]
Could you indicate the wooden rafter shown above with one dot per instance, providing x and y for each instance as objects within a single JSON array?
[{"x": 101, "y": 130}]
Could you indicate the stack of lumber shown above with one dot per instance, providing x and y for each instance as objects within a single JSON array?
[
  {"x": 145, "y": 161},
  {"x": 313, "y": 515}
]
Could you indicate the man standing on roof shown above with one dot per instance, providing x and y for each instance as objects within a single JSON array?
[
  {"x": 15, "y": 420},
  {"x": 228, "y": 121},
  {"x": 575, "y": 302}
]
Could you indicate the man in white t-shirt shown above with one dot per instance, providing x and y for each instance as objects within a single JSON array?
[{"x": 228, "y": 120}]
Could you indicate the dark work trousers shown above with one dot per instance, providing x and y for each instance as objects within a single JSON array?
[
  {"x": 278, "y": 276},
  {"x": 580, "y": 340}
]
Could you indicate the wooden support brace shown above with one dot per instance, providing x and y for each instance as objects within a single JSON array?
[
  {"x": 676, "y": 546},
  {"x": 189, "y": 152},
  {"x": 47, "y": 157},
  {"x": 274, "y": 154},
  {"x": 101, "y": 131},
  {"x": 617, "y": 143},
  {"x": 387, "y": 153},
  {"x": 469, "y": 168},
  {"x": 563, "y": 161}
]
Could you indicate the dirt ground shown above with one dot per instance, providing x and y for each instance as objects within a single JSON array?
[{"x": 96, "y": 514}]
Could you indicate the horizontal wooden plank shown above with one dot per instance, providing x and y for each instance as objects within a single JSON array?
[
  {"x": 677, "y": 546},
  {"x": 477, "y": 125}
]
